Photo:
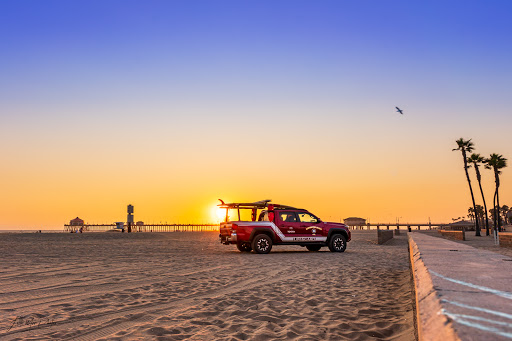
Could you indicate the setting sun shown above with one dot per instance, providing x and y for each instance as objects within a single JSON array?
[{"x": 217, "y": 214}]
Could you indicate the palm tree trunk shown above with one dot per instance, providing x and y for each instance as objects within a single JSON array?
[
  {"x": 498, "y": 208},
  {"x": 494, "y": 212},
  {"x": 477, "y": 228},
  {"x": 485, "y": 209}
]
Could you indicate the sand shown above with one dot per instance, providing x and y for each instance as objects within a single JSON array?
[{"x": 176, "y": 286}]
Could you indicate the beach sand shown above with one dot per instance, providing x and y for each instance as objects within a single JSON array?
[{"x": 176, "y": 286}]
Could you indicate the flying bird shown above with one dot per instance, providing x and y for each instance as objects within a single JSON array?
[{"x": 399, "y": 110}]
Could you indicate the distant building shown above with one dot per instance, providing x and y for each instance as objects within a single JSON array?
[
  {"x": 354, "y": 222},
  {"x": 139, "y": 226},
  {"x": 459, "y": 225},
  {"x": 76, "y": 222}
]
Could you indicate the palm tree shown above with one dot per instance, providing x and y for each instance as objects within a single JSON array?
[
  {"x": 480, "y": 213},
  {"x": 471, "y": 213},
  {"x": 466, "y": 146},
  {"x": 496, "y": 162},
  {"x": 476, "y": 160},
  {"x": 504, "y": 211}
]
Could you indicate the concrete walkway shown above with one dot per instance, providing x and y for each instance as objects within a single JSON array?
[
  {"x": 483, "y": 242},
  {"x": 462, "y": 293}
]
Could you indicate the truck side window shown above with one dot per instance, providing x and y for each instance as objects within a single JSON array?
[
  {"x": 263, "y": 216},
  {"x": 289, "y": 217}
]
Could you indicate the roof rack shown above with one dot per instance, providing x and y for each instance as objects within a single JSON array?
[
  {"x": 262, "y": 204},
  {"x": 284, "y": 207}
]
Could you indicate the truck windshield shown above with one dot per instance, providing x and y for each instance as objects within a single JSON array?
[{"x": 307, "y": 218}]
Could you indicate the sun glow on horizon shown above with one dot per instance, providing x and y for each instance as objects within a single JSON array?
[{"x": 217, "y": 214}]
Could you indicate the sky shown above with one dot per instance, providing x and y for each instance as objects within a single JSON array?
[{"x": 171, "y": 105}]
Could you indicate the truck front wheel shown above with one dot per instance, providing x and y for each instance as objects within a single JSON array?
[
  {"x": 262, "y": 243},
  {"x": 338, "y": 243},
  {"x": 244, "y": 247}
]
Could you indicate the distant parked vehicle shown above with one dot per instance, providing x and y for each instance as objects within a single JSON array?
[{"x": 280, "y": 225}]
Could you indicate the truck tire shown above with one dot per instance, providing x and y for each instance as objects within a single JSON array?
[
  {"x": 313, "y": 247},
  {"x": 244, "y": 247},
  {"x": 337, "y": 243},
  {"x": 262, "y": 243}
]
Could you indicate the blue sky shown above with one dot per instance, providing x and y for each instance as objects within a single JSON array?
[{"x": 373, "y": 47}]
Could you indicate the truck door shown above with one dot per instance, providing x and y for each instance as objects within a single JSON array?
[
  {"x": 288, "y": 223},
  {"x": 309, "y": 224}
]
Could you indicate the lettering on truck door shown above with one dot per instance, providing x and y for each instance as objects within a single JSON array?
[{"x": 309, "y": 225}]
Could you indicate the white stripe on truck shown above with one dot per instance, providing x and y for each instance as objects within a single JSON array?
[{"x": 281, "y": 235}]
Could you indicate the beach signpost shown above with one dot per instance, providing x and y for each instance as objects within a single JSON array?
[{"x": 120, "y": 225}]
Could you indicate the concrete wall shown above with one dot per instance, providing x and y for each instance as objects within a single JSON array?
[
  {"x": 430, "y": 324},
  {"x": 506, "y": 239},
  {"x": 458, "y": 298},
  {"x": 384, "y": 235},
  {"x": 456, "y": 235}
]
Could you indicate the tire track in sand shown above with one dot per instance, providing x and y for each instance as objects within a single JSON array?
[
  {"x": 70, "y": 281},
  {"x": 96, "y": 289},
  {"x": 108, "y": 323}
]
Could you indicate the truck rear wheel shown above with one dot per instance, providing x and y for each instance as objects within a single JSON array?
[
  {"x": 244, "y": 247},
  {"x": 262, "y": 243},
  {"x": 338, "y": 243},
  {"x": 313, "y": 247}
]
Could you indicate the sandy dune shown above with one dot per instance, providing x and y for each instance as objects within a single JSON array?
[{"x": 175, "y": 286}]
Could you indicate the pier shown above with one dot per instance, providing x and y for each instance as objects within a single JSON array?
[
  {"x": 215, "y": 227},
  {"x": 143, "y": 228}
]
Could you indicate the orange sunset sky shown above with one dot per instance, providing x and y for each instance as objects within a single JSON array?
[{"x": 169, "y": 106}]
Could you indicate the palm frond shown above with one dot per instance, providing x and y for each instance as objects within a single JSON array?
[{"x": 465, "y": 145}]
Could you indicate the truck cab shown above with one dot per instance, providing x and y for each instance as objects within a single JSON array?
[{"x": 280, "y": 225}]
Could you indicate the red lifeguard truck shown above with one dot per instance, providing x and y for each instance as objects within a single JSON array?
[{"x": 280, "y": 225}]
